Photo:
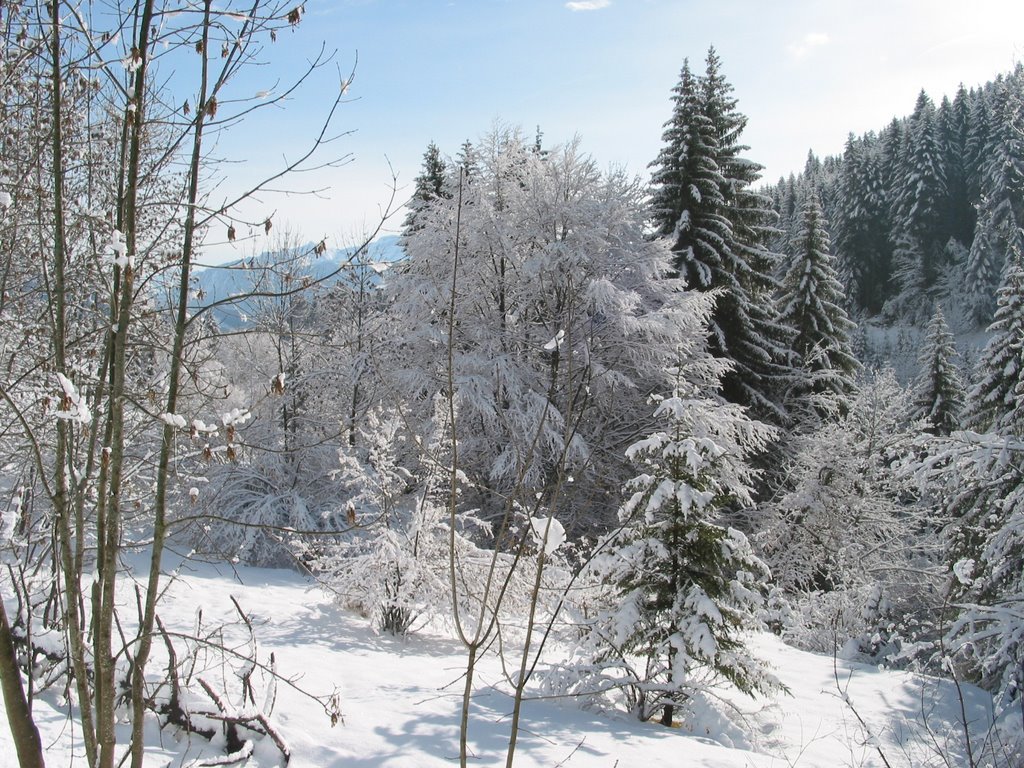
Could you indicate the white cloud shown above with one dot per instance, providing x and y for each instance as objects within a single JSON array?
[
  {"x": 810, "y": 40},
  {"x": 588, "y": 5}
]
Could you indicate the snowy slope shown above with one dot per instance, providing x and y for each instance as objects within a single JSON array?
[{"x": 400, "y": 699}]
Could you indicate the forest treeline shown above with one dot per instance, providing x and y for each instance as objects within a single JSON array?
[{"x": 925, "y": 208}]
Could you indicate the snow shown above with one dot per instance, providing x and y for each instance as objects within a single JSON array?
[
  {"x": 235, "y": 416},
  {"x": 173, "y": 420},
  {"x": 400, "y": 698},
  {"x": 555, "y": 342},
  {"x": 76, "y": 407},
  {"x": 549, "y": 531},
  {"x": 964, "y": 571}
]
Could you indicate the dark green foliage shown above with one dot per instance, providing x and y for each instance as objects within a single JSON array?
[
  {"x": 864, "y": 243},
  {"x": 811, "y": 304},
  {"x": 683, "y": 586},
  {"x": 907, "y": 200},
  {"x": 719, "y": 229},
  {"x": 430, "y": 184},
  {"x": 954, "y": 122},
  {"x": 938, "y": 390},
  {"x": 996, "y": 401}
]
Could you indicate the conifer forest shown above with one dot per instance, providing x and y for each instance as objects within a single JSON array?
[{"x": 625, "y": 455}]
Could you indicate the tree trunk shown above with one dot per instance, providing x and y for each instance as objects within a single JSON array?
[{"x": 19, "y": 715}]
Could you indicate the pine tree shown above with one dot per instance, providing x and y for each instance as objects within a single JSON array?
[
  {"x": 718, "y": 229},
  {"x": 468, "y": 160},
  {"x": 754, "y": 336},
  {"x": 682, "y": 587},
  {"x": 811, "y": 302},
  {"x": 996, "y": 401},
  {"x": 938, "y": 390}
]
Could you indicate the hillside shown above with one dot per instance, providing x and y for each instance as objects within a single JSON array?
[
  {"x": 400, "y": 698},
  {"x": 215, "y": 285}
]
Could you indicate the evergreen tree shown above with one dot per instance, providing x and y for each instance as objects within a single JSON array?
[
  {"x": 981, "y": 276},
  {"x": 681, "y": 587},
  {"x": 430, "y": 184},
  {"x": 938, "y": 391},
  {"x": 920, "y": 229},
  {"x": 996, "y": 401},
  {"x": 786, "y": 203},
  {"x": 718, "y": 228},
  {"x": 468, "y": 160},
  {"x": 976, "y": 149},
  {"x": 954, "y": 124},
  {"x": 863, "y": 247},
  {"x": 811, "y": 302},
  {"x": 1003, "y": 183}
]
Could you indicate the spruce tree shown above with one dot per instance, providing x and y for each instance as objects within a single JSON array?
[
  {"x": 812, "y": 304},
  {"x": 718, "y": 228},
  {"x": 430, "y": 184},
  {"x": 954, "y": 124},
  {"x": 1003, "y": 182},
  {"x": 996, "y": 401},
  {"x": 976, "y": 149},
  {"x": 756, "y": 339},
  {"x": 981, "y": 276},
  {"x": 938, "y": 390},
  {"x": 681, "y": 586},
  {"x": 920, "y": 230},
  {"x": 863, "y": 246}
]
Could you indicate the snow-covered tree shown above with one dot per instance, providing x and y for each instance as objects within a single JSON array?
[
  {"x": 1002, "y": 186},
  {"x": 429, "y": 184},
  {"x": 938, "y": 391},
  {"x": 811, "y": 304},
  {"x": 983, "y": 268},
  {"x": 922, "y": 193},
  {"x": 718, "y": 228},
  {"x": 978, "y": 481},
  {"x": 533, "y": 297},
  {"x": 848, "y": 549},
  {"x": 995, "y": 401},
  {"x": 863, "y": 248},
  {"x": 679, "y": 587}
]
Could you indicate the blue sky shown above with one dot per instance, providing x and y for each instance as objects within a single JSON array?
[{"x": 806, "y": 73}]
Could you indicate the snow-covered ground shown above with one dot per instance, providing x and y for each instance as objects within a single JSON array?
[{"x": 400, "y": 699}]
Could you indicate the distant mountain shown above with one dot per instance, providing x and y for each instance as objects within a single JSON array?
[{"x": 258, "y": 273}]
